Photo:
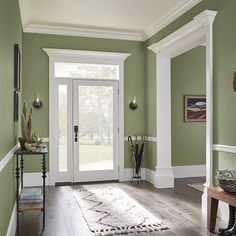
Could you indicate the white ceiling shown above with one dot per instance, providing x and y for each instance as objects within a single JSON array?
[{"x": 124, "y": 19}]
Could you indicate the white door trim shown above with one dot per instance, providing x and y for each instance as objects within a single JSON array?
[
  {"x": 94, "y": 57},
  {"x": 195, "y": 33}
]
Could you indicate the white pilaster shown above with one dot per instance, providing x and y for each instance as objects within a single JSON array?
[{"x": 191, "y": 35}]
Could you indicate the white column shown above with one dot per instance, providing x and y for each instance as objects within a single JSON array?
[{"x": 164, "y": 177}]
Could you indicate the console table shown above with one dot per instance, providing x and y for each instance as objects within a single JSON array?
[
  {"x": 19, "y": 176},
  {"x": 214, "y": 195}
]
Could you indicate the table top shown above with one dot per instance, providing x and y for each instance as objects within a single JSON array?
[{"x": 27, "y": 152}]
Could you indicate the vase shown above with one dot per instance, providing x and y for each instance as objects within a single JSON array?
[
  {"x": 31, "y": 146},
  {"x": 22, "y": 141}
]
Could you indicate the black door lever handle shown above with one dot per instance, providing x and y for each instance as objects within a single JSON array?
[{"x": 76, "y": 132}]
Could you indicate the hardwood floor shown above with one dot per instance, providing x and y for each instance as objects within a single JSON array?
[{"x": 179, "y": 208}]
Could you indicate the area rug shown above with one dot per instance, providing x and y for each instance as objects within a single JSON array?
[
  {"x": 109, "y": 211},
  {"x": 198, "y": 186}
]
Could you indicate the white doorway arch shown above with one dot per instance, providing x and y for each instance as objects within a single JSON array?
[{"x": 197, "y": 32}]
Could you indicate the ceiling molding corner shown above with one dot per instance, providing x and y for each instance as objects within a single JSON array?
[
  {"x": 24, "y": 11},
  {"x": 175, "y": 12},
  {"x": 83, "y": 32}
]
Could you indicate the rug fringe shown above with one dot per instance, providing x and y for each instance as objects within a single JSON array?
[{"x": 130, "y": 229}]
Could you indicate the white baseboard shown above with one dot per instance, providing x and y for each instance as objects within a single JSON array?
[
  {"x": 223, "y": 211},
  {"x": 146, "y": 174},
  {"x": 12, "y": 225},
  {"x": 34, "y": 179},
  {"x": 164, "y": 178},
  {"x": 149, "y": 175},
  {"x": 223, "y": 208},
  {"x": 204, "y": 201},
  {"x": 189, "y": 171}
]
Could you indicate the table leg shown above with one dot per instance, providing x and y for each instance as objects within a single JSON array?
[
  {"x": 21, "y": 170},
  {"x": 17, "y": 192},
  {"x": 44, "y": 194},
  {"x": 212, "y": 205}
]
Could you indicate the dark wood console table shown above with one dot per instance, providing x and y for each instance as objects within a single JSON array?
[
  {"x": 214, "y": 195},
  {"x": 19, "y": 176}
]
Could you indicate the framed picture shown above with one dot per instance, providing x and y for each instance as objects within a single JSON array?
[
  {"x": 17, "y": 65},
  {"x": 194, "y": 108},
  {"x": 16, "y": 106}
]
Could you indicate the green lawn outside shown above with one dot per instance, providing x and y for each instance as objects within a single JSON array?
[{"x": 89, "y": 154}]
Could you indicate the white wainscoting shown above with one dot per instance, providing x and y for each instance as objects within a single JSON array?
[
  {"x": 3, "y": 163},
  {"x": 224, "y": 148},
  {"x": 150, "y": 139},
  {"x": 34, "y": 179},
  {"x": 8, "y": 157},
  {"x": 12, "y": 225}
]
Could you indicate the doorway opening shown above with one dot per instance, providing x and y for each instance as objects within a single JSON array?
[{"x": 188, "y": 118}]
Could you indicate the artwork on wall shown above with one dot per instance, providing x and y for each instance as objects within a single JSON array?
[
  {"x": 16, "y": 106},
  {"x": 17, "y": 69},
  {"x": 194, "y": 108},
  {"x": 17, "y": 62}
]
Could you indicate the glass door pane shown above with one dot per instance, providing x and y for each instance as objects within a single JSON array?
[
  {"x": 62, "y": 116},
  {"x": 95, "y": 128}
]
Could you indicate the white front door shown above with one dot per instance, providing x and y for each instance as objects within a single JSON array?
[
  {"x": 95, "y": 137},
  {"x": 86, "y": 130}
]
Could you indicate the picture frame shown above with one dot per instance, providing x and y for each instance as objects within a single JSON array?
[
  {"x": 16, "y": 107},
  {"x": 17, "y": 67},
  {"x": 194, "y": 108}
]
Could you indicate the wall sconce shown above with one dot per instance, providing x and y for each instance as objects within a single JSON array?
[
  {"x": 37, "y": 104},
  {"x": 133, "y": 104}
]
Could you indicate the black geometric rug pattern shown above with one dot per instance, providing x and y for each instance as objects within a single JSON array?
[{"x": 109, "y": 211}]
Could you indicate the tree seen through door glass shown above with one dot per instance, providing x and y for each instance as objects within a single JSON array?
[
  {"x": 86, "y": 71},
  {"x": 95, "y": 128},
  {"x": 62, "y": 110}
]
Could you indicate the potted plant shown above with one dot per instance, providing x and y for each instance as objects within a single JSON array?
[{"x": 26, "y": 125}]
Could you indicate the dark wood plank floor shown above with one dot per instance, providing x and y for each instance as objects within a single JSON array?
[{"x": 179, "y": 208}]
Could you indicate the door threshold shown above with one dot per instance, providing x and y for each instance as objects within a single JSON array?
[{"x": 86, "y": 182}]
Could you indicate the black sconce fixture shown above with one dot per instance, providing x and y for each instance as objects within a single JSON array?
[
  {"x": 37, "y": 104},
  {"x": 133, "y": 104}
]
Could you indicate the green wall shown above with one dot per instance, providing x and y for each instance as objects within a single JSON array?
[
  {"x": 224, "y": 38},
  {"x": 11, "y": 32},
  {"x": 188, "y": 139},
  {"x": 140, "y": 75},
  {"x": 35, "y": 73}
]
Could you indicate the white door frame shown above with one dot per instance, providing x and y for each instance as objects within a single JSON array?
[
  {"x": 92, "y": 57},
  {"x": 197, "y": 32}
]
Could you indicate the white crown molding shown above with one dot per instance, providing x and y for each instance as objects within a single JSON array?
[
  {"x": 83, "y": 32},
  {"x": 8, "y": 157},
  {"x": 24, "y": 11},
  {"x": 224, "y": 148},
  {"x": 198, "y": 23},
  {"x": 175, "y": 12},
  {"x": 53, "y": 52}
]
